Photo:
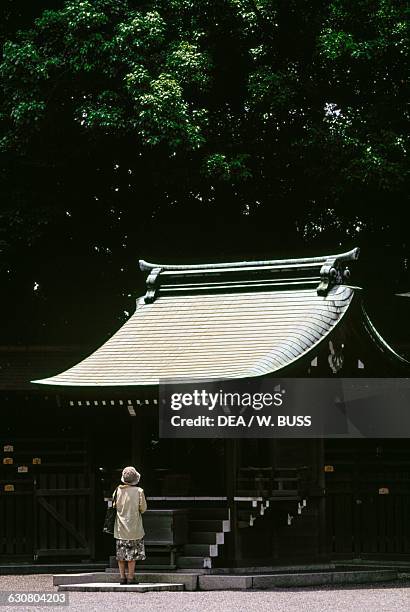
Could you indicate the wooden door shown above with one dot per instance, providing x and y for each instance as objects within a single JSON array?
[{"x": 64, "y": 517}]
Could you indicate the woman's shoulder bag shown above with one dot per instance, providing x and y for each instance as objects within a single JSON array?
[{"x": 110, "y": 515}]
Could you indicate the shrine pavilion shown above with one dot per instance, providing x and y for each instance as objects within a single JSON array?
[{"x": 249, "y": 501}]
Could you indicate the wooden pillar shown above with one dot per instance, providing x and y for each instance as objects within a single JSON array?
[
  {"x": 320, "y": 474},
  {"x": 91, "y": 476},
  {"x": 231, "y": 469},
  {"x": 274, "y": 448}
]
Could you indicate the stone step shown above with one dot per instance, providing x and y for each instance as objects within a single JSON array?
[
  {"x": 194, "y": 562},
  {"x": 199, "y": 550},
  {"x": 209, "y": 525},
  {"x": 107, "y": 586},
  {"x": 111, "y": 576},
  {"x": 268, "y": 581},
  {"x": 206, "y": 537}
]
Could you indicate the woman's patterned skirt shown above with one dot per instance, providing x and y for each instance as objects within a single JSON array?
[{"x": 130, "y": 550}]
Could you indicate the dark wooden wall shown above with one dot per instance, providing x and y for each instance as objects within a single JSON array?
[
  {"x": 368, "y": 498},
  {"x": 55, "y": 510}
]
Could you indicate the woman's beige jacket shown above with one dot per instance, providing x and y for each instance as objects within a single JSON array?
[{"x": 131, "y": 504}]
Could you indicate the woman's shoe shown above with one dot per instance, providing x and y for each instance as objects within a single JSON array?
[
  {"x": 123, "y": 580},
  {"x": 132, "y": 581}
]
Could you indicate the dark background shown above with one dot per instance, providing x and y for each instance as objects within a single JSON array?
[{"x": 80, "y": 204}]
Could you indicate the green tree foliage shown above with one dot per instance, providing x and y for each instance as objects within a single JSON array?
[
  {"x": 119, "y": 117},
  {"x": 274, "y": 98}
]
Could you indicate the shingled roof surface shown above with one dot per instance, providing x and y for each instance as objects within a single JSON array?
[{"x": 221, "y": 321}]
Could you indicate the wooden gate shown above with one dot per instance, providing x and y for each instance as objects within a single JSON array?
[
  {"x": 47, "y": 500},
  {"x": 64, "y": 517}
]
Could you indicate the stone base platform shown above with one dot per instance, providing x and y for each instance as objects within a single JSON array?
[
  {"x": 111, "y": 587},
  {"x": 269, "y": 581},
  {"x": 189, "y": 582},
  {"x": 175, "y": 581}
]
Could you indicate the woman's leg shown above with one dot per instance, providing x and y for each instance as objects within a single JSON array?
[
  {"x": 131, "y": 570},
  {"x": 121, "y": 566}
]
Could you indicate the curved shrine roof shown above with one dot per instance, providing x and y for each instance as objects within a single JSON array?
[
  {"x": 220, "y": 336},
  {"x": 220, "y": 321}
]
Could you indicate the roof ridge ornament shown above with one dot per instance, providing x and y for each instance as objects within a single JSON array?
[
  {"x": 352, "y": 255},
  {"x": 321, "y": 272},
  {"x": 152, "y": 285},
  {"x": 333, "y": 273}
]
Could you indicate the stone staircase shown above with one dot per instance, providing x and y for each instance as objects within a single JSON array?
[
  {"x": 207, "y": 527},
  {"x": 258, "y": 491}
]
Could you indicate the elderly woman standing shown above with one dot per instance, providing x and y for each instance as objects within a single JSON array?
[{"x": 128, "y": 529}]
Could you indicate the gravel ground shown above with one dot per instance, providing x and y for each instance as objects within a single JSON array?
[{"x": 371, "y": 598}]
